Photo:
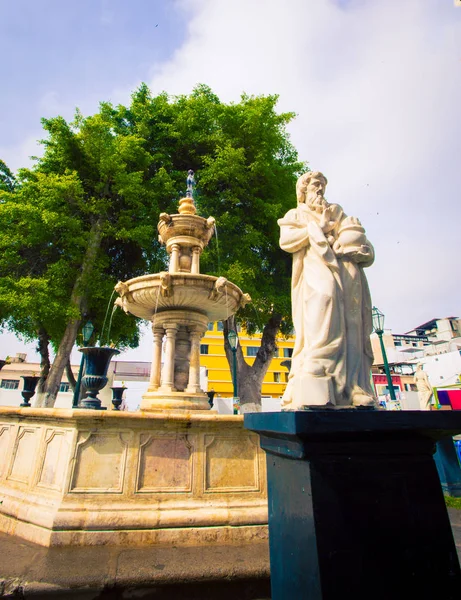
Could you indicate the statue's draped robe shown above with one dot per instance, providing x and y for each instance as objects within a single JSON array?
[{"x": 331, "y": 307}]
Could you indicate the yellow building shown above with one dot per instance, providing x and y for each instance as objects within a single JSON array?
[{"x": 213, "y": 358}]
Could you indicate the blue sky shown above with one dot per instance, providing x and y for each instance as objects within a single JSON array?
[
  {"x": 376, "y": 87},
  {"x": 59, "y": 54}
]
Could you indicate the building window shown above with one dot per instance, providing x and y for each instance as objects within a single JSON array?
[
  {"x": 64, "y": 387},
  {"x": 203, "y": 348},
  {"x": 210, "y": 326},
  {"x": 285, "y": 377},
  {"x": 220, "y": 326},
  {"x": 252, "y": 350},
  {"x": 288, "y": 352},
  {"x": 10, "y": 384},
  {"x": 398, "y": 343},
  {"x": 277, "y": 377}
]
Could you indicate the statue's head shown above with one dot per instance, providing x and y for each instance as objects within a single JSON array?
[{"x": 310, "y": 187}]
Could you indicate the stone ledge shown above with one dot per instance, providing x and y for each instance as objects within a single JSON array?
[
  {"x": 221, "y": 572},
  {"x": 208, "y": 417}
]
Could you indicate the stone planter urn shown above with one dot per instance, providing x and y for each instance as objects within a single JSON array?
[
  {"x": 117, "y": 396},
  {"x": 95, "y": 377},
  {"x": 30, "y": 383}
]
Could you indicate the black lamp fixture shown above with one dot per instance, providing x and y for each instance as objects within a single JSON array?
[
  {"x": 378, "y": 320},
  {"x": 378, "y": 327},
  {"x": 87, "y": 332},
  {"x": 233, "y": 340}
]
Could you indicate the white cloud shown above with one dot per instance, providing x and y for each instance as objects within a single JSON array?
[
  {"x": 19, "y": 155},
  {"x": 377, "y": 90}
]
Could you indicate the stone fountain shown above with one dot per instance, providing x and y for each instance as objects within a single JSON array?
[
  {"x": 174, "y": 472},
  {"x": 180, "y": 303}
]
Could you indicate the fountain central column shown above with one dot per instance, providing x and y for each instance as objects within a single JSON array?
[
  {"x": 195, "y": 267},
  {"x": 156, "y": 358},
  {"x": 194, "y": 364},
  {"x": 167, "y": 382},
  {"x": 174, "y": 259}
]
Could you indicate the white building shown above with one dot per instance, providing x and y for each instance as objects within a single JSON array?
[{"x": 133, "y": 375}]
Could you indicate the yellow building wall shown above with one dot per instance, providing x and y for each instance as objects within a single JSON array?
[{"x": 219, "y": 373}]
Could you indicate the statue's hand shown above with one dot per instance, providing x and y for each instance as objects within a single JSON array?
[
  {"x": 362, "y": 255},
  {"x": 338, "y": 249},
  {"x": 325, "y": 222}
]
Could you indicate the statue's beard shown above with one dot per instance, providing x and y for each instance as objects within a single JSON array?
[{"x": 316, "y": 202}]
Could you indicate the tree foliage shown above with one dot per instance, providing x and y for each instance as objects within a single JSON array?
[
  {"x": 85, "y": 216},
  {"x": 246, "y": 170},
  {"x": 7, "y": 179}
]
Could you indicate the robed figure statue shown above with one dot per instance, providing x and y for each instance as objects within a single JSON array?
[{"x": 331, "y": 302}]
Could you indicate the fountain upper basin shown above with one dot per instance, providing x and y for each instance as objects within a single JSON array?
[{"x": 147, "y": 295}]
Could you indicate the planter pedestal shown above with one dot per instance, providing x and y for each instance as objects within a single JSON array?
[{"x": 356, "y": 509}]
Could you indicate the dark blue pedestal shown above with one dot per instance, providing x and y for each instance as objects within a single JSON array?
[
  {"x": 447, "y": 463},
  {"x": 356, "y": 509}
]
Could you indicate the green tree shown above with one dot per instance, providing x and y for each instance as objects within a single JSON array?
[
  {"x": 75, "y": 224},
  {"x": 85, "y": 216},
  {"x": 7, "y": 179},
  {"x": 246, "y": 170}
]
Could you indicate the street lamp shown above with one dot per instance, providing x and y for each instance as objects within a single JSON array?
[
  {"x": 87, "y": 332},
  {"x": 378, "y": 326},
  {"x": 233, "y": 340}
]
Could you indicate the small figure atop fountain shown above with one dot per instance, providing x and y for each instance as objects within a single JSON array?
[{"x": 190, "y": 184}]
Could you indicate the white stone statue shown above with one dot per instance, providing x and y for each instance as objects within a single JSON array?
[
  {"x": 331, "y": 302},
  {"x": 424, "y": 387}
]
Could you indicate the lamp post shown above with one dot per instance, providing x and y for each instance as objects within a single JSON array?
[
  {"x": 87, "y": 332},
  {"x": 378, "y": 326},
  {"x": 233, "y": 343}
]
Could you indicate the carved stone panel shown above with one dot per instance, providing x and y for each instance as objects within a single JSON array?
[
  {"x": 55, "y": 459},
  {"x": 99, "y": 463},
  {"x": 165, "y": 464},
  {"x": 231, "y": 464},
  {"x": 24, "y": 454},
  {"x": 5, "y": 436}
]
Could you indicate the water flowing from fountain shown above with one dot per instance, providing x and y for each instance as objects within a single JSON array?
[
  {"x": 105, "y": 318},
  {"x": 227, "y": 302},
  {"x": 217, "y": 248},
  {"x": 114, "y": 308}
]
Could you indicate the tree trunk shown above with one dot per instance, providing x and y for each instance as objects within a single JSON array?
[
  {"x": 70, "y": 376},
  {"x": 43, "y": 350},
  {"x": 77, "y": 301},
  {"x": 250, "y": 378}
]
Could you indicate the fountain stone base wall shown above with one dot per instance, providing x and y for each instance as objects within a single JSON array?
[{"x": 85, "y": 477}]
